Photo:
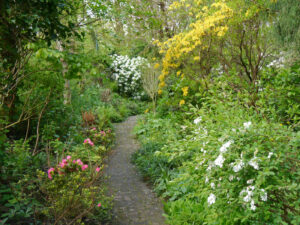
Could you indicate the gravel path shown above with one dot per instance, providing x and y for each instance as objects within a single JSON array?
[{"x": 135, "y": 203}]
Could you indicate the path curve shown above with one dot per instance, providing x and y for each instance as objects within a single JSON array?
[{"x": 134, "y": 202}]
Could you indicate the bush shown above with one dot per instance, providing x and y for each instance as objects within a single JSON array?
[
  {"x": 72, "y": 192},
  {"x": 226, "y": 165},
  {"x": 127, "y": 73}
]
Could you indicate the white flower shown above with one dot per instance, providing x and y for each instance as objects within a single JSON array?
[
  {"x": 197, "y": 120},
  {"x": 212, "y": 185},
  {"x": 238, "y": 166},
  {"x": 211, "y": 199},
  {"x": 252, "y": 207},
  {"x": 270, "y": 155},
  {"x": 250, "y": 181},
  {"x": 206, "y": 180},
  {"x": 254, "y": 164},
  {"x": 264, "y": 195},
  {"x": 247, "y": 198},
  {"x": 231, "y": 177},
  {"x": 225, "y": 146},
  {"x": 249, "y": 194},
  {"x": 219, "y": 161},
  {"x": 247, "y": 125}
]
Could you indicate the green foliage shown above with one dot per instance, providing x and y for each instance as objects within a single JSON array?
[
  {"x": 229, "y": 166},
  {"x": 280, "y": 94}
]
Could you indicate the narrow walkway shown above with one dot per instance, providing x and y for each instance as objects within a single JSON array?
[{"x": 135, "y": 203}]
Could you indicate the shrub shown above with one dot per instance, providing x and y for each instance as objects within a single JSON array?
[
  {"x": 227, "y": 166},
  {"x": 127, "y": 73},
  {"x": 71, "y": 192}
]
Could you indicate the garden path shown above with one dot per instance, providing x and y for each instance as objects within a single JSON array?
[{"x": 134, "y": 202}]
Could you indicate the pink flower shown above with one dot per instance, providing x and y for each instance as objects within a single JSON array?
[
  {"x": 103, "y": 132},
  {"x": 50, "y": 173},
  {"x": 88, "y": 141},
  {"x": 69, "y": 157},
  {"x": 84, "y": 167},
  {"x": 97, "y": 169},
  {"x": 74, "y": 161},
  {"x": 64, "y": 161},
  {"x": 99, "y": 205},
  {"x": 94, "y": 128},
  {"x": 79, "y": 162}
]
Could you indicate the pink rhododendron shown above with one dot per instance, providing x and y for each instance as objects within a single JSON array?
[
  {"x": 94, "y": 128},
  {"x": 79, "y": 162},
  {"x": 69, "y": 157},
  {"x": 99, "y": 205},
  {"x": 88, "y": 141},
  {"x": 84, "y": 167},
  {"x": 49, "y": 173},
  {"x": 97, "y": 169}
]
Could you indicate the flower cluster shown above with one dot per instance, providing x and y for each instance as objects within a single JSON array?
[
  {"x": 68, "y": 165},
  {"x": 127, "y": 73},
  {"x": 88, "y": 141}
]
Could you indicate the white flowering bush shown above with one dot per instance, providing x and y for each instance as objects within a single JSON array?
[
  {"x": 229, "y": 166},
  {"x": 127, "y": 73}
]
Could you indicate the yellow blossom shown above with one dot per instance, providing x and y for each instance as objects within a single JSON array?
[
  {"x": 156, "y": 66},
  {"x": 159, "y": 91},
  {"x": 162, "y": 84},
  {"x": 147, "y": 110},
  {"x": 182, "y": 102},
  {"x": 185, "y": 91}
]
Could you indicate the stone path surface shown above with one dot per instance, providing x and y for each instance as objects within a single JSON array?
[{"x": 134, "y": 202}]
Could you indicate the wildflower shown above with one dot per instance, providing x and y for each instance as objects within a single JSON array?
[
  {"x": 185, "y": 91},
  {"x": 84, "y": 167},
  {"x": 247, "y": 125},
  {"x": 94, "y": 128},
  {"x": 159, "y": 92},
  {"x": 254, "y": 164},
  {"x": 97, "y": 169},
  {"x": 102, "y": 133},
  {"x": 147, "y": 110},
  {"x": 182, "y": 102},
  {"x": 264, "y": 195},
  {"x": 270, "y": 155},
  {"x": 250, "y": 181},
  {"x": 50, "y": 173},
  {"x": 156, "y": 66},
  {"x": 206, "y": 180},
  {"x": 219, "y": 161},
  {"x": 212, "y": 185},
  {"x": 69, "y": 157},
  {"x": 211, "y": 199},
  {"x": 99, "y": 205},
  {"x": 225, "y": 146},
  {"x": 197, "y": 120},
  {"x": 238, "y": 166},
  {"x": 252, "y": 207},
  {"x": 231, "y": 177}
]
